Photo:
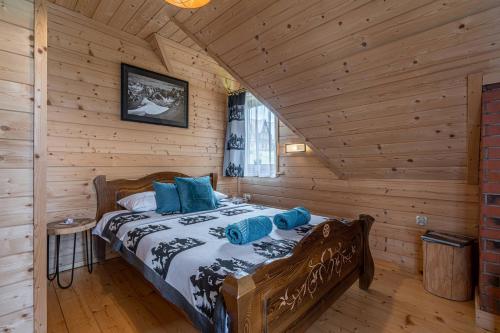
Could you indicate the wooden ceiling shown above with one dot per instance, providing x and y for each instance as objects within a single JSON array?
[
  {"x": 378, "y": 88},
  {"x": 142, "y": 18}
]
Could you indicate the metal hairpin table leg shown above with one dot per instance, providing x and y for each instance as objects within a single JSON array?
[
  {"x": 50, "y": 278},
  {"x": 56, "y": 257},
  {"x": 90, "y": 258}
]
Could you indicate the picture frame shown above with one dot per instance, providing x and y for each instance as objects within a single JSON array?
[{"x": 153, "y": 98}]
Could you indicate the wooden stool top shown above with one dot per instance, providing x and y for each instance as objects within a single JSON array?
[{"x": 59, "y": 228}]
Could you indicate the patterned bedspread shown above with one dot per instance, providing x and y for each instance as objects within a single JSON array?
[{"x": 187, "y": 256}]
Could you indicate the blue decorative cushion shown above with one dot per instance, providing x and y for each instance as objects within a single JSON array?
[
  {"x": 195, "y": 194},
  {"x": 167, "y": 198}
]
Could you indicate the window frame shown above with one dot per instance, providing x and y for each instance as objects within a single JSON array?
[{"x": 276, "y": 136}]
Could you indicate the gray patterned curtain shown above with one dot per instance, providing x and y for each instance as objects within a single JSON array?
[{"x": 234, "y": 148}]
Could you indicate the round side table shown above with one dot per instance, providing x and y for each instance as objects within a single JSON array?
[{"x": 59, "y": 229}]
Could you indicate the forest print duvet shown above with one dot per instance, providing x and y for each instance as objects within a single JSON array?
[{"x": 188, "y": 256}]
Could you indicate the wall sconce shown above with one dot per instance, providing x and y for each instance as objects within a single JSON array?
[{"x": 295, "y": 148}]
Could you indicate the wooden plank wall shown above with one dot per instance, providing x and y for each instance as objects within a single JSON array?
[
  {"x": 40, "y": 167},
  {"x": 379, "y": 90},
  {"x": 376, "y": 87},
  {"x": 450, "y": 205},
  {"x": 86, "y": 137},
  {"x": 16, "y": 165},
  {"x": 341, "y": 80}
]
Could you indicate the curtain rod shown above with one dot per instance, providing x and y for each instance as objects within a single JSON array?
[{"x": 235, "y": 92}]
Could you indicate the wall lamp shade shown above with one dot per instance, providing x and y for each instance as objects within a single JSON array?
[
  {"x": 188, "y": 3},
  {"x": 295, "y": 148}
]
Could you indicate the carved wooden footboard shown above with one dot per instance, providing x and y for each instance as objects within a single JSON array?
[{"x": 288, "y": 294}]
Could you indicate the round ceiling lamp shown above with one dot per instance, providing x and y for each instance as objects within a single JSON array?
[{"x": 188, "y": 3}]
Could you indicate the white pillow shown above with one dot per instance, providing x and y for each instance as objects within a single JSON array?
[
  {"x": 139, "y": 202},
  {"x": 219, "y": 196}
]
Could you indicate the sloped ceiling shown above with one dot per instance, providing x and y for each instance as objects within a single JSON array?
[
  {"x": 377, "y": 88},
  {"x": 141, "y": 18}
]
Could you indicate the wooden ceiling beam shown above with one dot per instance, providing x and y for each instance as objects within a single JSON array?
[{"x": 157, "y": 45}]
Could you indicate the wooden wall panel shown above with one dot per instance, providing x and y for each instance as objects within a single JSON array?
[
  {"x": 16, "y": 166},
  {"x": 450, "y": 205},
  {"x": 381, "y": 91},
  {"x": 40, "y": 168},
  {"x": 86, "y": 137},
  {"x": 382, "y": 81}
]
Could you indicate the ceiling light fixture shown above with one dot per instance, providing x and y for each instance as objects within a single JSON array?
[{"x": 188, "y": 3}]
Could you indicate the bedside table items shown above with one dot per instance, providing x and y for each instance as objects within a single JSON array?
[
  {"x": 448, "y": 265},
  {"x": 238, "y": 200},
  {"x": 69, "y": 227}
]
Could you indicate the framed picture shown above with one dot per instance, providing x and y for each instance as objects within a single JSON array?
[{"x": 149, "y": 97}]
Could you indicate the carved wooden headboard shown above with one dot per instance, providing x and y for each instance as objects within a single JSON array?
[{"x": 109, "y": 192}]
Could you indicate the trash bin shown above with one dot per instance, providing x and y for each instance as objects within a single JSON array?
[{"x": 448, "y": 262}]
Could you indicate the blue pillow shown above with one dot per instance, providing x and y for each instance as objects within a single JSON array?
[
  {"x": 195, "y": 194},
  {"x": 167, "y": 198}
]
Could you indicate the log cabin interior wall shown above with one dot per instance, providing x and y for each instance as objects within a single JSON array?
[
  {"x": 86, "y": 137},
  {"x": 16, "y": 165},
  {"x": 379, "y": 90},
  {"x": 395, "y": 237}
]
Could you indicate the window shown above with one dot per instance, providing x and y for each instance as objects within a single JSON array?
[{"x": 260, "y": 138}]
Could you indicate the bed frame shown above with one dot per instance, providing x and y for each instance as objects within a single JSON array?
[{"x": 285, "y": 294}]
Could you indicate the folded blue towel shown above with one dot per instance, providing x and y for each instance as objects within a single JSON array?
[
  {"x": 248, "y": 230},
  {"x": 292, "y": 218}
]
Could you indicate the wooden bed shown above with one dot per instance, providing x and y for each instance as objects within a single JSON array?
[{"x": 286, "y": 294}]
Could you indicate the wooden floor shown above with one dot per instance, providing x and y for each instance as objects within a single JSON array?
[{"x": 115, "y": 298}]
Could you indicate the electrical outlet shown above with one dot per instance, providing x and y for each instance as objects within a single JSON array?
[
  {"x": 247, "y": 196},
  {"x": 421, "y": 220}
]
